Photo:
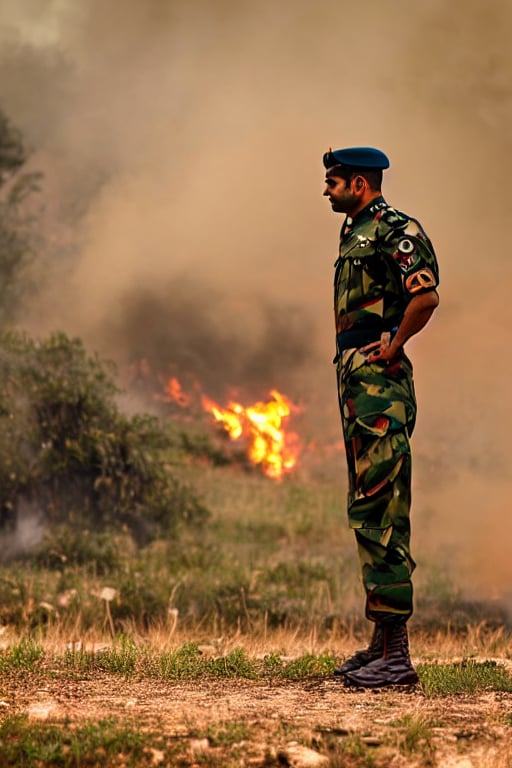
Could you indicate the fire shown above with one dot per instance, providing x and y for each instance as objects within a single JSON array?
[
  {"x": 260, "y": 427},
  {"x": 175, "y": 393},
  {"x": 261, "y": 424}
]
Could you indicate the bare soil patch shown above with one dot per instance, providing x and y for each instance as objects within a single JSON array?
[{"x": 464, "y": 731}]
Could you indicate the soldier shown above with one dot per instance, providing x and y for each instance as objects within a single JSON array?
[{"x": 384, "y": 292}]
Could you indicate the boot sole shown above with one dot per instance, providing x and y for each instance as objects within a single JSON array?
[{"x": 410, "y": 680}]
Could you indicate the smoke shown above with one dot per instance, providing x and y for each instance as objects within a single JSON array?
[
  {"x": 214, "y": 339},
  {"x": 182, "y": 142},
  {"x": 27, "y": 536}
]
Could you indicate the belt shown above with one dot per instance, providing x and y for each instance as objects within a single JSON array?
[{"x": 356, "y": 338}]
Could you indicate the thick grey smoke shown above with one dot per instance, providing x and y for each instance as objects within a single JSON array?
[
  {"x": 202, "y": 335},
  {"x": 182, "y": 144}
]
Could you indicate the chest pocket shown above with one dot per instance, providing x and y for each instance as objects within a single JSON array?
[{"x": 361, "y": 274}]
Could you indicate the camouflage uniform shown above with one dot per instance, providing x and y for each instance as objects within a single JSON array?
[{"x": 385, "y": 259}]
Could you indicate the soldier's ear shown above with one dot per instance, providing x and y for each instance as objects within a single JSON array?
[{"x": 359, "y": 183}]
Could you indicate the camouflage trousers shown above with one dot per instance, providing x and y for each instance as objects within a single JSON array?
[{"x": 378, "y": 412}]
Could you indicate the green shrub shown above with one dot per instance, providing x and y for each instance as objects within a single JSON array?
[
  {"x": 64, "y": 547},
  {"x": 66, "y": 449}
]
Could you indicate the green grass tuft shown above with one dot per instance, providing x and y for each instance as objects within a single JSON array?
[
  {"x": 24, "y": 744},
  {"x": 464, "y": 677},
  {"x": 121, "y": 659},
  {"x": 225, "y": 734},
  {"x": 309, "y": 665},
  {"x": 21, "y": 657},
  {"x": 415, "y": 736}
]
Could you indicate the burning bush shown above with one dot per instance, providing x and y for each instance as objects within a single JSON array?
[{"x": 68, "y": 455}]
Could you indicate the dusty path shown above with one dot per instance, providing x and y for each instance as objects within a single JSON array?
[{"x": 464, "y": 731}]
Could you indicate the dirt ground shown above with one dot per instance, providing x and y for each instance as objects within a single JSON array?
[{"x": 464, "y": 731}]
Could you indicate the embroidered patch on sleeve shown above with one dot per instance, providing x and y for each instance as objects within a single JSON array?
[
  {"x": 406, "y": 254},
  {"x": 420, "y": 281}
]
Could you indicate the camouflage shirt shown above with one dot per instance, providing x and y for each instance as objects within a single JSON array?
[{"x": 385, "y": 259}]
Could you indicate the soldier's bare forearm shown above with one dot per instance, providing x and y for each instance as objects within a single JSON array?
[{"x": 419, "y": 311}]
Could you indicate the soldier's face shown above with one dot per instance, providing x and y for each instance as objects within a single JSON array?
[{"x": 340, "y": 194}]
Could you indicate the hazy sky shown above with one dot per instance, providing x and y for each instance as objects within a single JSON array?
[{"x": 181, "y": 143}]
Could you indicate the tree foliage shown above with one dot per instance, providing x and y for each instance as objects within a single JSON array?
[
  {"x": 17, "y": 232},
  {"x": 67, "y": 451}
]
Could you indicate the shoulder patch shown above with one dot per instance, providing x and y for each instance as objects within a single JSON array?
[
  {"x": 405, "y": 245},
  {"x": 421, "y": 280},
  {"x": 406, "y": 254}
]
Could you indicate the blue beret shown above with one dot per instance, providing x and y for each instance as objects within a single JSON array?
[{"x": 357, "y": 157}]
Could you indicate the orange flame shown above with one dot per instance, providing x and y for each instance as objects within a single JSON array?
[
  {"x": 261, "y": 424},
  {"x": 175, "y": 394}
]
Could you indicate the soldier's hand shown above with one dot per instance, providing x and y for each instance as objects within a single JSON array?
[{"x": 381, "y": 351}]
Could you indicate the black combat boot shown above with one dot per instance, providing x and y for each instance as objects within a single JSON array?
[
  {"x": 365, "y": 656},
  {"x": 393, "y": 668}
]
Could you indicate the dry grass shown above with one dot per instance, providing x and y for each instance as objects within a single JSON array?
[
  {"x": 224, "y": 719},
  {"x": 274, "y": 574},
  {"x": 443, "y": 646}
]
